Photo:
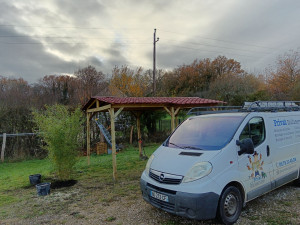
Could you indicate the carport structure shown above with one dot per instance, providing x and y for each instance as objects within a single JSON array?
[{"x": 136, "y": 105}]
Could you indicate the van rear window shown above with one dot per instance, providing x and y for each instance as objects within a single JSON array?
[{"x": 205, "y": 132}]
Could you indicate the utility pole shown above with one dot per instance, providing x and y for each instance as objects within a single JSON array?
[{"x": 154, "y": 60}]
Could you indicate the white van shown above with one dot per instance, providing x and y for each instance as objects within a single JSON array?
[{"x": 213, "y": 164}]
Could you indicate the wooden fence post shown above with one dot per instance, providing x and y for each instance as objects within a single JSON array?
[{"x": 3, "y": 147}]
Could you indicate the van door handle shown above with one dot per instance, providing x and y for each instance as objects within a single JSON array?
[{"x": 268, "y": 150}]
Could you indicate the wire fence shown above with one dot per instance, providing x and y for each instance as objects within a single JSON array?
[
  {"x": 18, "y": 135},
  {"x": 21, "y": 146}
]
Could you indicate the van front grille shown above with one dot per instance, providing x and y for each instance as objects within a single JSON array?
[
  {"x": 161, "y": 189},
  {"x": 162, "y": 204},
  {"x": 165, "y": 178}
]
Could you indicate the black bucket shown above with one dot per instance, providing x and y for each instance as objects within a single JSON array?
[
  {"x": 35, "y": 179},
  {"x": 43, "y": 189}
]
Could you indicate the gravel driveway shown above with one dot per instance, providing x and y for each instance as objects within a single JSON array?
[{"x": 95, "y": 203}]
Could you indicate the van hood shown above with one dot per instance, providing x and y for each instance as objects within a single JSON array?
[{"x": 178, "y": 161}]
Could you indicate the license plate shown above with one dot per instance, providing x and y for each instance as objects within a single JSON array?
[{"x": 159, "y": 196}]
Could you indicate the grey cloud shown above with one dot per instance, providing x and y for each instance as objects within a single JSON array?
[
  {"x": 67, "y": 46},
  {"x": 93, "y": 61},
  {"x": 80, "y": 11},
  {"x": 116, "y": 57},
  {"x": 31, "y": 62},
  {"x": 251, "y": 32}
]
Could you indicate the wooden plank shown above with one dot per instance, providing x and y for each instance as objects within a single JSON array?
[
  {"x": 118, "y": 112},
  {"x": 138, "y": 126},
  {"x": 168, "y": 111},
  {"x": 91, "y": 103},
  {"x": 172, "y": 119},
  {"x": 113, "y": 142},
  {"x": 177, "y": 110},
  {"x": 88, "y": 138},
  {"x": 139, "y": 106},
  {"x": 176, "y": 118},
  {"x": 131, "y": 134},
  {"x": 99, "y": 109},
  {"x": 3, "y": 147}
]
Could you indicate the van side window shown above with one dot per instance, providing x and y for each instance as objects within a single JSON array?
[{"x": 255, "y": 129}]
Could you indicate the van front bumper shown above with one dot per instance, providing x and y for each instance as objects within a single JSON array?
[{"x": 194, "y": 206}]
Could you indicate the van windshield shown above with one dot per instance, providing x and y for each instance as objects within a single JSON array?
[{"x": 205, "y": 132}]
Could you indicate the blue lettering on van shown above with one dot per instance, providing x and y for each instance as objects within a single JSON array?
[
  {"x": 286, "y": 162},
  {"x": 293, "y": 122},
  {"x": 278, "y": 123}
]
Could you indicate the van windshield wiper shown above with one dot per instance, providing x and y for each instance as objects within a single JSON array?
[
  {"x": 191, "y": 147},
  {"x": 170, "y": 143}
]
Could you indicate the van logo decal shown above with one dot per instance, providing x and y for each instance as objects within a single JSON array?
[
  {"x": 161, "y": 177},
  {"x": 286, "y": 162},
  {"x": 256, "y": 166}
]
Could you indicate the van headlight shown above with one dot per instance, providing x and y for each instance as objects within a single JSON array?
[
  {"x": 147, "y": 169},
  {"x": 198, "y": 171}
]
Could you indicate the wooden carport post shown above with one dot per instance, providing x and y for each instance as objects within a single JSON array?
[
  {"x": 113, "y": 142},
  {"x": 88, "y": 134},
  {"x": 173, "y": 114},
  {"x": 113, "y": 116},
  {"x": 138, "y": 125}
]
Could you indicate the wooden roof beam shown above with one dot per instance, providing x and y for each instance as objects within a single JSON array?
[{"x": 99, "y": 109}]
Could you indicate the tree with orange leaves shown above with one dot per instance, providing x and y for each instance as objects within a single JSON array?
[
  {"x": 131, "y": 82},
  {"x": 285, "y": 78},
  {"x": 195, "y": 78}
]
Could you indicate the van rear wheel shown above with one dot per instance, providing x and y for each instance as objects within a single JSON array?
[{"x": 230, "y": 205}]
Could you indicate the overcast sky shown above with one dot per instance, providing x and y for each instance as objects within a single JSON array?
[{"x": 39, "y": 38}]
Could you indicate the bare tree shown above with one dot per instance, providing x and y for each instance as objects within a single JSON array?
[{"x": 90, "y": 82}]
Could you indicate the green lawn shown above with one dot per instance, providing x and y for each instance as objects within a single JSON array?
[{"x": 15, "y": 176}]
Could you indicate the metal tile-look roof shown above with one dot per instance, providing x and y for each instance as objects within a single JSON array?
[
  {"x": 180, "y": 101},
  {"x": 156, "y": 100}
]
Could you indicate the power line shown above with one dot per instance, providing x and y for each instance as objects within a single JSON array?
[
  {"x": 124, "y": 28},
  {"x": 68, "y": 37},
  {"x": 216, "y": 46},
  {"x": 64, "y": 43},
  {"x": 101, "y": 38},
  {"x": 71, "y": 27},
  {"x": 226, "y": 41},
  {"x": 198, "y": 49}
]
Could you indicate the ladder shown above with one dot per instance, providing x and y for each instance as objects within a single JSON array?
[
  {"x": 257, "y": 106},
  {"x": 105, "y": 133},
  {"x": 272, "y": 106}
]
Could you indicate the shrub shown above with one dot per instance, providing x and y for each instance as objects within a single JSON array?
[{"x": 60, "y": 130}]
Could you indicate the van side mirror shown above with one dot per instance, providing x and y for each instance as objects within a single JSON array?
[{"x": 246, "y": 146}]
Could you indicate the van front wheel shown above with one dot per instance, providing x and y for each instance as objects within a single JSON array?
[
  {"x": 230, "y": 205},
  {"x": 297, "y": 182}
]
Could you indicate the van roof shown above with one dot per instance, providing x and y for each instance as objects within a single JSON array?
[
  {"x": 217, "y": 114},
  {"x": 257, "y": 106}
]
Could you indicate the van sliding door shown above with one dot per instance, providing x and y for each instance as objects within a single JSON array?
[
  {"x": 285, "y": 147},
  {"x": 256, "y": 169}
]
